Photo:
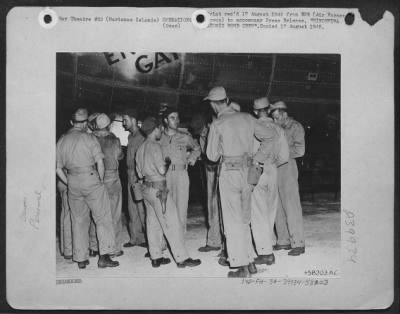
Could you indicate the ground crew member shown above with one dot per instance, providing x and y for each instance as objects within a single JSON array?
[
  {"x": 264, "y": 199},
  {"x": 214, "y": 239},
  {"x": 135, "y": 201},
  {"x": 111, "y": 148},
  {"x": 180, "y": 147},
  {"x": 162, "y": 216},
  {"x": 289, "y": 218},
  {"x": 77, "y": 154},
  {"x": 65, "y": 222},
  {"x": 230, "y": 140}
]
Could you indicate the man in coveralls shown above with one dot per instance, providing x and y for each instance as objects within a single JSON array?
[
  {"x": 78, "y": 154},
  {"x": 135, "y": 203},
  {"x": 180, "y": 147},
  {"x": 200, "y": 127},
  {"x": 111, "y": 148},
  {"x": 230, "y": 140},
  {"x": 162, "y": 216},
  {"x": 289, "y": 217},
  {"x": 264, "y": 199}
]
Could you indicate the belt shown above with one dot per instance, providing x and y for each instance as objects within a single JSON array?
[
  {"x": 81, "y": 170},
  {"x": 159, "y": 185},
  {"x": 237, "y": 161},
  {"x": 174, "y": 167}
]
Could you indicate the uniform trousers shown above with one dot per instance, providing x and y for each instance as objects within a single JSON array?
[
  {"x": 65, "y": 222},
  {"x": 214, "y": 237},
  {"x": 289, "y": 217},
  {"x": 235, "y": 201},
  {"x": 136, "y": 213},
  {"x": 86, "y": 194},
  {"x": 178, "y": 186},
  {"x": 114, "y": 190},
  {"x": 264, "y": 203},
  {"x": 159, "y": 224}
]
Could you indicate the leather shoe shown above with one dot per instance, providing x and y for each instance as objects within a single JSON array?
[
  {"x": 278, "y": 247},
  {"x": 189, "y": 262},
  {"x": 209, "y": 248},
  {"x": 67, "y": 256},
  {"x": 252, "y": 268},
  {"x": 223, "y": 261},
  {"x": 297, "y": 251},
  {"x": 265, "y": 259},
  {"x": 83, "y": 264},
  {"x": 160, "y": 261},
  {"x": 242, "y": 272},
  {"x": 143, "y": 244},
  {"x": 93, "y": 253},
  {"x": 129, "y": 244},
  {"x": 106, "y": 261},
  {"x": 120, "y": 253}
]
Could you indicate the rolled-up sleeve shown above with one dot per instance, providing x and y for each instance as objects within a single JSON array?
[
  {"x": 297, "y": 145},
  {"x": 214, "y": 150},
  {"x": 266, "y": 135}
]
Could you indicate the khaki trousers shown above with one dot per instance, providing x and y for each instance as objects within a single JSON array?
[
  {"x": 87, "y": 195},
  {"x": 178, "y": 186},
  {"x": 65, "y": 223},
  {"x": 235, "y": 200},
  {"x": 289, "y": 217},
  {"x": 264, "y": 203},
  {"x": 214, "y": 237},
  {"x": 136, "y": 213},
  {"x": 159, "y": 224}
]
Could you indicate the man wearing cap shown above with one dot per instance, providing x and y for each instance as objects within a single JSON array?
[
  {"x": 264, "y": 199},
  {"x": 111, "y": 148},
  {"x": 230, "y": 141},
  {"x": 200, "y": 128},
  {"x": 289, "y": 217},
  {"x": 162, "y": 216},
  {"x": 180, "y": 147},
  {"x": 78, "y": 154},
  {"x": 135, "y": 201}
]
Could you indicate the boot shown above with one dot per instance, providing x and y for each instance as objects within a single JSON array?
[
  {"x": 297, "y": 251},
  {"x": 265, "y": 259},
  {"x": 160, "y": 261},
  {"x": 83, "y": 264},
  {"x": 106, "y": 261},
  {"x": 242, "y": 272}
]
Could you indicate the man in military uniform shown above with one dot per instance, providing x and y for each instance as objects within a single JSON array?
[
  {"x": 135, "y": 201},
  {"x": 111, "y": 148},
  {"x": 200, "y": 128},
  {"x": 289, "y": 217},
  {"x": 78, "y": 154},
  {"x": 180, "y": 147},
  {"x": 264, "y": 199},
  {"x": 162, "y": 216},
  {"x": 230, "y": 140}
]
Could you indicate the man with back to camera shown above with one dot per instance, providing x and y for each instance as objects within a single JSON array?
[
  {"x": 78, "y": 154},
  {"x": 180, "y": 147},
  {"x": 162, "y": 215},
  {"x": 135, "y": 202},
  {"x": 111, "y": 148},
  {"x": 230, "y": 140},
  {"x": 264, "y": 199},
  {"x": 289, "y": 217}
]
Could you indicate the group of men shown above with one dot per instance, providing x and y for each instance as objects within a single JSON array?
[{"x": 251, "y": 185}]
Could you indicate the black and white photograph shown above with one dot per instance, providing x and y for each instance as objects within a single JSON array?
[{"x": 198, "y": 165}]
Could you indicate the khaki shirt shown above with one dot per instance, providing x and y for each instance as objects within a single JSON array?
[
  {"x": 275, "y": 130},
  {"x": 295, "y": 136},
  {"x": 111, "y": 148},
  {"x": 181, "y": 148},
  {"x": 77, "y": 148},
  {"x": 149, "y": 159},
  {"x": 134, "y": 141},
  {"x": 232, "y": 134}
]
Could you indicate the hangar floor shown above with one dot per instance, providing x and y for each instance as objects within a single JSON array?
[{"x": 323, "y": 251}]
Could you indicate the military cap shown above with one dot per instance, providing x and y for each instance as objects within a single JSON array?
[
  {"x": 261, "y": 103},
  {"x": 81, "y": 115},
  {"x": 216, "y": 94},
  {"x": 102, "y": 121},
  {"x": 278, "y": 105}
]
